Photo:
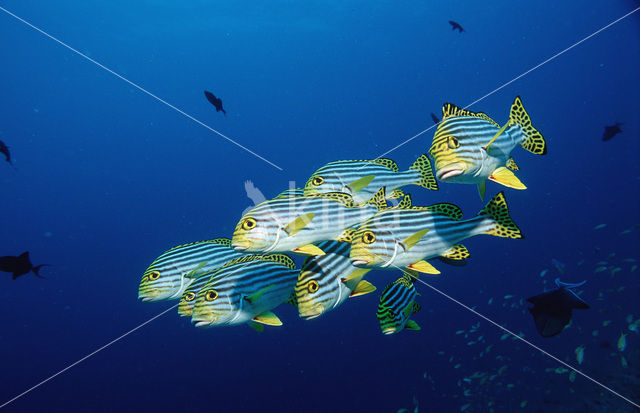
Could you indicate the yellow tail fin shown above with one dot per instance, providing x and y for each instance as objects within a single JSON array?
[
  {"x": 534, "y": 141},
  {"x": 498, "y": 210}
]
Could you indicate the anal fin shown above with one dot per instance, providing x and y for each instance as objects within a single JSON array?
[
  {"x": 268, "y": 318},
  {"x": 412, "y": 325}
]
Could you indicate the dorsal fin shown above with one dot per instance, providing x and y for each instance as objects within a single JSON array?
[
  {"x": 344, "y": 199},
  {"x": 450, "y": 210},
  {"x": 387, "y": 163},
  {"x": 405, "y": 203},
  {"x": 379, "y": 200},
  {"x": 221, "y": 241},
  {"x": 346, "y": 236},
  {"x": 449, "y": 110},
  {"x": 511, "y": 164},
  {"x": 277, "y": 258}
]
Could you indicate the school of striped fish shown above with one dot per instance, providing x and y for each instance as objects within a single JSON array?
[{"x": 346, "y": 220}]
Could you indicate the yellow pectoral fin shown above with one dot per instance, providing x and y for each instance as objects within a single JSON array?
[
  {"x": 486, "y": 148},
  {"x": 256, "y": 326},
  {"x": 360, "y": 184},
  {"x": 297, "y": 224},
  {"x": 268, "y": 318},
  {"x": 507, "y": 178},
  {"x": 413, "y": 239},
  {"x": 423, "y": 266},
  {"x": 482, "y": 188},
  {"x": 357, "y": 272},
  {"x": 363, "y": 287},
  {"x": 309, "y": 249}
]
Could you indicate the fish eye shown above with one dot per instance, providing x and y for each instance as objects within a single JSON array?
[
  {"x": 368, "y": 237},
  {"x": 211, "y": 295},
  {"x": 313, "y": 286},
  {"x": 154, "y": 275},
  {"x": 249, "y": 224},
  {"x": 317, "y": 181},
  {"x": 453, "y": 142},
  {"x": 189, "y": 296}
]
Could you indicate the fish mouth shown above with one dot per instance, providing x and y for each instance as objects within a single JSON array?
[
  {"x": 240, "y": 247},
  {"x": 449, "y": 172},
  {"x": 312, "y": 313},
  {"x": 201, "y": 324},
  {"x": 388, "y": 331},
  {"x": 359, "y": 262}
]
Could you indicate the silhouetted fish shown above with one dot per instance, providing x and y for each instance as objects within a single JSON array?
[
  {"x": 4, "y": 149},
  {"x": 552, "y": 310},
  {"x": 611, "y": 131},
  {"x": 19, "y": 265},
  {"x": 214, "y": 101},
  {"x": 435, "y": 118},
  {"x": 456, "y": 26}
]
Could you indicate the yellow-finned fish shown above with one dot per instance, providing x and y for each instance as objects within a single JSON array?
[
  {"x": 471, "y": 148},
  {"x": 397, "y": 304},
  {"x": 326, "y": 281},
  {"x": 363, "y": 179},
  {"x": 407, "y": 237},
  {"x": 294, "y": 223},
  {"x": 245, "y": 290}
]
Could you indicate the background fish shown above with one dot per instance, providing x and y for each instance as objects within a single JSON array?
[
  {"x": 552, "y": 310},
  {"x": 246, "y": 290},
  {"x": 397, "y": 303},
  {"x": 20, "y": 265},
  {"x": 294, "y": 223},
  {"x": 363, "y": 179},
  {"x": 408, "y": 236},
  {"x": 326, "y": 281},
  {"x": 469, "y": 147},
  {"x": 171, "y": 273}
]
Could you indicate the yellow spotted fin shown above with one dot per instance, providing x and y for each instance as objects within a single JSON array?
[
  {"x": 534, "y": 141},
  {"x": 511, "y": 164},
  {"x": 450, "y": 210},
  {"x": 427, "y": 179},
  {"x": 293, "y": 299},
  {"x": 507, "y": 178},
  {"x": 309, "y": 249},
  {"x": 387, "y": 163},
  {"x": 423, "y": 266},
  {"x": 405, "y": 203},
  {"x": 412, "y": 325},
  {"x": 363, "y": 287},
  {"x": 449, "y": 110},
  {"x": 360, "y": 183},
  {"x": 414, "y": 238},
  {"x": 457, "y": 252},
  {"x": 347, "y": 235},
  {"x": 498, "y": 210},
  {"x": 395, "y": 194},
  {"x": 416, "y": 307},
  {"x": 379, "y": 200},
  {"x": 268, "y": 318},
  {"x": 293, "y": 227}
]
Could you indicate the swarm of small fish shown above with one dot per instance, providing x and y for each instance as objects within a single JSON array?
[{"x": 351, "y": 217}]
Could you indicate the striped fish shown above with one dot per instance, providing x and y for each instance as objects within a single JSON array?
[
  {"x": 397, "y": 303},
  {"x": 245, "y": 291},
  {"x": 326, "y": 281},
  {"x": 188, "y": 299},
  {"x": 363, "y": 179},
  {"x": 469, "y": 147},
  {"x": 171, "y": 273},
  {"x": 406, "y": 237},
  {"x": 294, "y": 223}
]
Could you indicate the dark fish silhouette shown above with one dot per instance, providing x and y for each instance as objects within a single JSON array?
[
  {"x": 214, "y": 101},
  {"x": 611, "y": 131},
  {"x": 19, "y": 265},
  {"x": 4, "y": 149},
  {"x": 435, "y": 118},
  {"x": 552, "y": 310},
  {"x": 456, "y": 26}
]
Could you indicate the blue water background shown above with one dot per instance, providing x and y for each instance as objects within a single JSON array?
[{"x": 107, "y": 178}]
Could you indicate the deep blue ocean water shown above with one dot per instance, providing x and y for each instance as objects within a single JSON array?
[{"x": 107, "y": 178}]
